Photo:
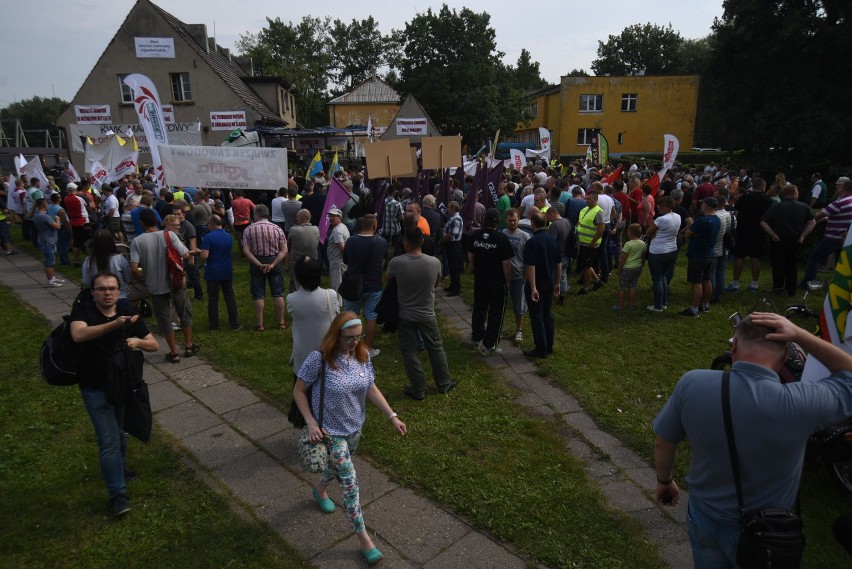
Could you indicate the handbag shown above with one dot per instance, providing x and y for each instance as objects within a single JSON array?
[
  {"x": 769, "y": 538},
  {"x": 352, "y": 285},
  {"x": 174, "y": 265},
  {"x": 314, "y": 456},
  {"x": 125, "y": 386}
]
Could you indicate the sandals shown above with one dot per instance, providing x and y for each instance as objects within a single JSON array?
[
  {"x": 172, "y": 358},
  {"x": 259, "y": 328},
  {"x": 282, "y": 325},
  {"x": 191, "y": 350}
]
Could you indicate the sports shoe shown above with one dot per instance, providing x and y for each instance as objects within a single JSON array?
[
  {"x": 704, "y": 308},
  {"x": 653, "y": 308},
  {"x": 733, "y": 288},
  {"x": 119, "y": 505},
  {"x": 53, "y": 284},
  {"x": 519, "y": 337},
  {"x": 374, "y": 352},
  {"x": 598, "y": 285},
  {"x": 449, "y": 387},
  {"x": 688, "y": 312},
  {"x": 752, "y": 288},
  {"x": 582, "y": 291},
  {"x": 58, "y": 280},
  {"x": 489, "y": 351}
]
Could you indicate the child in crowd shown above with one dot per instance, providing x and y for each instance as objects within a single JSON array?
[{"x": 630, "y": 265}]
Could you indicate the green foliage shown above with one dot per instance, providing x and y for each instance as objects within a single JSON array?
[
  {"x": 452, "y": 66},
  {"x": 301, "y": 54},
  {"x": 527, "y": 73},
  {"x": 360, "y": 49},
  {"x": 772, "y": 80},
  {"x": 37, "y": 113},
  {"x": 656, "y": 50}
]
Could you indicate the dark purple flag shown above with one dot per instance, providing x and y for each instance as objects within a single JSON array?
[
  {"x": 443, "y": 198},
  {"x": 336, "y": 197},
  {"x": 489, "y": 195},
  {"x": 472, "y": 196}
]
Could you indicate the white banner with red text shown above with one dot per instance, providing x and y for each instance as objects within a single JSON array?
[{"x": 225, "y": 167}]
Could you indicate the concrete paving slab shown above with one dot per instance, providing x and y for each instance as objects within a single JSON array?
[
  {"x": 626, "y": 459},
  {"x": 625, "y": 496},
  {"x": 218, "y": 445},
  {"x": 258, "y": 421},
  {"x": 372, "y": 483},
  {"x": 523, "y": 366},
  {"x": 579, "y": 448},
  {"x": 283, "y": 446},
  {"x": 153, "y": 374},
  {"x": 54, "y": 306},
  {"x": 225, "y": 397},
  {"x": 476, "y": 551},
  {"x": 677, "y": 555},
  {"x": 645, "y": 478},
  {"x": 296, "y": 518},
  {"x": 428, "y": 530},
  {"x": 164, "y": 394},
  {"x": 580, "y": 421},
  {"x": 187, "y": 418},
  {"x": 555, "y": 397},
  {"x": 198, "y": 377},
  {"x": 603, "y": 470},
  {"x": 346, "y": 554},
  {"x": 660, "y": 526},
  {"x": 256, "y": 479},
  {"x": 601, "y": 439}
]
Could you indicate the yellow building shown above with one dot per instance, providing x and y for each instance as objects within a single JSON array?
[
  {"x": 373, "y": 99},
  {"x": 633, "y": 113}
]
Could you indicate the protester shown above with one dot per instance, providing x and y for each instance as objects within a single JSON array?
[
  {"x": 105, "y": 258},
  {"x": 751, "y": 239},
  {"x": 518, "y": 240},
  {"x": 663, "y": 251},
  {"x": 98, "y": 327},
  {"x": 489, "y": 256},
  {"x": 303, "y": 242},
  {"x": 542, "y": 270},
  {"x": 630, "y": 266},
  {"x": 451, "y": 240},
  {"x": 363, "y": 255},
  {"x": 338, "y": 233},
  {"x": 838, "y": 215},
  {"x": 702, "y": 236},
  {"x": 771, "y": 425},
  {"x": 46, "y": 230},
  {"x": 343, "y": 364},
  {"x": 591, "y": 226},
  {"x": 787, "y": 223},
  {"x": 216, "y": 252},
  {"x": 265, "y": 247},
  {"x": 312, "y": 310}
]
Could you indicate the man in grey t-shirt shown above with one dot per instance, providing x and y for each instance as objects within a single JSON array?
[{"x": 417, "y": 275}]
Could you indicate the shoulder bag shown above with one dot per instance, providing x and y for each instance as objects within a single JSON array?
[
  {"x": 314, "y": 456},
  {"x": 174, "y": 265},
  {"x": 769, "y": 538}
]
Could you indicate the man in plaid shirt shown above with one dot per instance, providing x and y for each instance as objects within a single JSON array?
[
  {"x": 452, "y": 247},
  {"x": 265, "y": 247},
  {"x": 391, "y": 222}
]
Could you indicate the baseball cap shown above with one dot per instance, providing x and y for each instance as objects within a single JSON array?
[
  {"x": 335, "y": 211},
  {"x": 73, "y": 186}
]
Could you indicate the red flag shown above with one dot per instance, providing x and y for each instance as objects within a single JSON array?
[{"x": 616, "y": 175}]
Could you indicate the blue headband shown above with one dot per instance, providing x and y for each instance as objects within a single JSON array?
[{"x": 350, "y": 323}]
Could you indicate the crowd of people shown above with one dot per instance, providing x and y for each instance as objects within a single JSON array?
[{"x": 550, "y": 224}]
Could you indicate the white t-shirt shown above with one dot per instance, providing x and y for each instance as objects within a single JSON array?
[
  {"x": 110, "y": 203},
  {"x": 276, "y": 215},
  {"x": 606, "y": 205},
  {"x": 665, "y": 239}
]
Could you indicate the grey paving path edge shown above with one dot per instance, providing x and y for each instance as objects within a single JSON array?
[
  {"x": 624, "y": 477},
  {"x": 240, "y": 443}
]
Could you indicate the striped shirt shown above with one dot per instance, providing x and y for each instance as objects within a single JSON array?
[
  {"x": 454, "y": 227},
  {"x": 390, "y": 222},
  {"x": 839, "y": 216},
  {"x": 264, "y": 239}
]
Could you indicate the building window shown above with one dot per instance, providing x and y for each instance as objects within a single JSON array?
[
  {"x": 621, "y": 138},
  {"x": 584, "y": 135},
  {"x": 532, "y": 110},
  {"x": 126, "y": 91},
  {"x": 591, "y": 103},
  {"x": 181, "y": 90},
  {"x": 628, "y": 103}
]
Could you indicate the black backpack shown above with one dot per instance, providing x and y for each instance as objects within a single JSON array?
[
  {"x": 363, "y": 205},
  {"x": 58, "y": 357}
]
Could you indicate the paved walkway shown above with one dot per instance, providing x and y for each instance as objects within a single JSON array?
[{"x": 246, "y": 446}]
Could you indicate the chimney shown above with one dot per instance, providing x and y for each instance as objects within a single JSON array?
[
  {"x": 246, "y": 63},
  {"x": 199, "y": 34}
]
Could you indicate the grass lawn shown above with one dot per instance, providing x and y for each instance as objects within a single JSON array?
[
  {"x": 480, "y": 454},
  {"x": 623, "y": 368},
  {"x": 53, "y": 510}
]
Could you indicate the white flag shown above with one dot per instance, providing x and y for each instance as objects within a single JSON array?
[
  {"x": 518, "y": 159},
  {"x": 370, "y": 127},
  {"x": 544, "y": 138},
  {"x": 20, "y": 162},
  {"x": 33, "y": 169},
  {"x": 99, "y": 175},
  {"x": 72, "y": 173},
  {"x": 147, "y": 103},
  {"x": 670, "y": 147},
  {"x": 127, "y": 165}
]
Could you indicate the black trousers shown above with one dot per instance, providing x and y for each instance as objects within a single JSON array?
[
  {"x": 783, "y": 256},
  {"x": 489, "y": 304},
  {"x": 453, "y": 250}
]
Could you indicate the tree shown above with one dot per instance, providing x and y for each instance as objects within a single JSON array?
[
  {"x": 773, "y": 73},
  {"x": 360, "y": 49},
  {"x": 451, "y": 65},
  {"x": 647, "y": 48},
  {"x": 527, "y": 73},
  {"x": 35, "y": 114},
  {"x": 300, "y": 53}
]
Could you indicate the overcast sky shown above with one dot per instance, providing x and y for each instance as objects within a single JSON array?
[{"x": 57, "y": 42}]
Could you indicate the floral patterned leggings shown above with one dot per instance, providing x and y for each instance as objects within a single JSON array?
[{"x": 341, "y": 467}]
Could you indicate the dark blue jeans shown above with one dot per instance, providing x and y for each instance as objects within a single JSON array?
[
  {"x": 108, "y": 421},
  {"x": 227, "y": 288},
  {"x": 541, "y": 317},
  {"x": 819, "y": 254},
  {"x": 661, "y": 266}
]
